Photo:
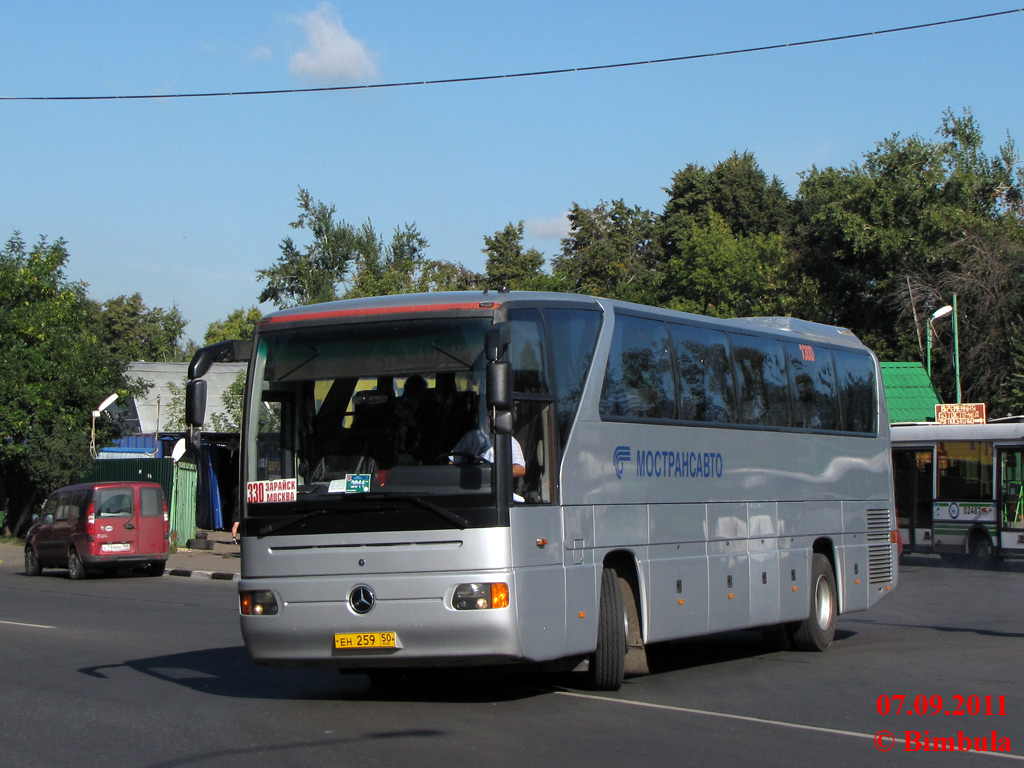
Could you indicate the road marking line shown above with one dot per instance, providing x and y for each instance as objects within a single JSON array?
[
  {"x": 23, "y": 624},
  {"x": 749, "y": 719}
]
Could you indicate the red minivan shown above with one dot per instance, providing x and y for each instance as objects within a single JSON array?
[{"x": 99, "y": 527}]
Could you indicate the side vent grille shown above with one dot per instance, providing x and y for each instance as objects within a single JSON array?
[{"x": 880, "y": 565}]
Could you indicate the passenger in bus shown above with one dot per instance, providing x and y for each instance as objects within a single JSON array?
[{"x": 408, "y": 421}]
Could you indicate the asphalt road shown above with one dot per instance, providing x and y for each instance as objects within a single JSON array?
[{"x": 138, "y": 671}]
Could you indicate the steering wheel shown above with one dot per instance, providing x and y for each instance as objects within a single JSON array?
[{"x": 470, "y": 458}]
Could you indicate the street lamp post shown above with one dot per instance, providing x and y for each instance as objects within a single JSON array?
[
  {"x": 109, "y": 401},
  {"x": 942, "y": 312}
]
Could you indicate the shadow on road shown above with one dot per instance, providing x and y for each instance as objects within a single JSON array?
[{"x": 230, "y": 672}]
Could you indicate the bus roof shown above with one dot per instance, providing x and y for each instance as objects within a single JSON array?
[{"x": 412, "y": 303}]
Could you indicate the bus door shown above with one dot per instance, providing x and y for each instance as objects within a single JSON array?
[
  {"x": 912, "y": 474},
  {"x": 1010, "y": 503}
]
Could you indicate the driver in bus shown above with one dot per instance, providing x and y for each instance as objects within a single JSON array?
[{"x": 478, "y": 442}]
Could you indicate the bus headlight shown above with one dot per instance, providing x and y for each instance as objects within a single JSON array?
[
  {"x": 257, "y": 603},
  {"x": 472, "y": 597}
]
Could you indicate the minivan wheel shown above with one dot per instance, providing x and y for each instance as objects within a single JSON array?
[
  {"x": 76, "y": 568},
  {"x": 32, "y": 566},
  {"x": 156, "y": 567}
]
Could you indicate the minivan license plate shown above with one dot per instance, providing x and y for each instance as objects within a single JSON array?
[
  {"x": 363, "y": 640},
  {"x": 116, "y": 548}
]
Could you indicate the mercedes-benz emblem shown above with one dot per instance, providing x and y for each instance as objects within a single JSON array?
[{"x": 361, "y": 599}]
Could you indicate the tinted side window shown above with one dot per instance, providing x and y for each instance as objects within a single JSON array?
[
  {"x": 64, "y": 505},
  {"x": 638, "y": 383},
  {"x": 527, "y": 353},
  {"x": 761, "y": 380},
  {"x": 50, "y": 507},
  {"x": 80, "y": 504},
  {"x": 813, "y": 383},
  {"x": 858, "y": 396},
  {"x": 152, "y": 501},
  {"x": 705, "y": 374},
  {"x": 573, "y": 337}
]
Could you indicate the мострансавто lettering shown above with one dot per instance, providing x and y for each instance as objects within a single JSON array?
[{"x": 682, "y": 464}]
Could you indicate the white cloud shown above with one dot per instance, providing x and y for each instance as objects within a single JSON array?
[
  {"x": 331, "y": 53},
  {"x": 550, "y": 228}
]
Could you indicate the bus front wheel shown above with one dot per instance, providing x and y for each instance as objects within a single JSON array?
[
  {"x": 608, "y": 662},
  {"x": 815, "y": 633}
]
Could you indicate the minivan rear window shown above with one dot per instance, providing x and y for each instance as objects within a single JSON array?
[{"x": 114, "y": 502}]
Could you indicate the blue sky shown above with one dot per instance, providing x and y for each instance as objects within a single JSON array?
[{"x": 183, "y": 199}]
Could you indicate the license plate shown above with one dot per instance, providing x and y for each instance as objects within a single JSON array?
[
  {"x": 362, "y": 640},
  {"x": 115, "y": 547}
]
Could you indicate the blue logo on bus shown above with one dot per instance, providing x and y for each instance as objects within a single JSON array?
[
  {"x": 954, "y": 510},
  {"x": 620, "y": 457}
]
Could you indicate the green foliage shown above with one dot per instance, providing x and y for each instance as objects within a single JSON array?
[
  {"x": 132, "y": 331},
  {"x": 385, "y": 269},
  {"x": 714, "y": 272},
  {"x": 55, "y": 369},
  {"x": 239, "y": 324},
  {"x": 508, "y": 265},
  {"x": 723, "y": 232},
  {"x": 312, "y": 275},
  {"x": 736, "y": 191},
  {"x": 612, "y": 250},
  {"x": 230, "y": 420}
]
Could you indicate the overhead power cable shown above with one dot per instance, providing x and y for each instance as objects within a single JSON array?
[{"x": 537, "y": 73}]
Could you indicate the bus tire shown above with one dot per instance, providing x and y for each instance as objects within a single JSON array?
[
  {"x": 608, "y": 662},
  {"x": 979, "y": 548},
  {"x": 815, "y": 633}
]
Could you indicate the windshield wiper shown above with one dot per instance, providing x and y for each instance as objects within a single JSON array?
[
  {"x": 419, "y": 501},
  {"x": 275, "y": 527}
]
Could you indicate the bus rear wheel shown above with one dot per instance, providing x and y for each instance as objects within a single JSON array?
[{"x": 816, "y": 632}]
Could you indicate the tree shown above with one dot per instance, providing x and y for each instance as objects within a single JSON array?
[
  {"x": 440, "y": 275},
  {"x": 344, "y": 260},
  {"x": 713, "y": 272},
  {"x": 508, "y": 265},
  {"x": 736, "y": 190},
  {"x": 382, "y": 270},
  {"x": 315, "y": 274},
  {"x": 724, "y": 238},
  {"x": 612, "y": 250},
  {"x": 55, "y": 370},
  {"x": 133, "y": 331},
  {"x": 239, "y": 324},
  {"x": 861, "y": 230}
]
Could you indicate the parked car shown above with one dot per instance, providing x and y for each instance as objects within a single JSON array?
[{"x": 100, "y": 527}]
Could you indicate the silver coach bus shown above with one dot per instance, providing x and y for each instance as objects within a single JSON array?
[
  {"x": 958, "y": 487},
  {"x": 652, "y": 475}
]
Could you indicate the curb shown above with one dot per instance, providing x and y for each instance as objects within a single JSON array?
[{"x": 196, "y": 574}]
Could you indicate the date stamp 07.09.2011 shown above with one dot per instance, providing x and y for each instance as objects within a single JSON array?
[{"x": 923, "y": 740}]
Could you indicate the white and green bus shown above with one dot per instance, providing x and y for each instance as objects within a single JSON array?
[
  {"x": 958, "y": 487},
  {"x": 655, "y": 475}
]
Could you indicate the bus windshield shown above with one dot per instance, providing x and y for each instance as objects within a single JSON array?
[{"x": 347, "y": 416}]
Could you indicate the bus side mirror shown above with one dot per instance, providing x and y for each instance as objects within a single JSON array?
[
  {"x": 195, "y": 402},
  {"x": 502, "y": 423},
  {"x": 496, "y": 341},
  {"x": 499, "y": 386},
  {"x": 499, "y": 397}
]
